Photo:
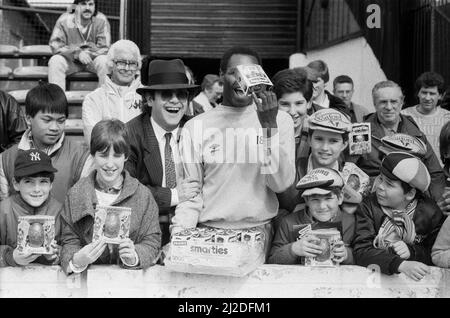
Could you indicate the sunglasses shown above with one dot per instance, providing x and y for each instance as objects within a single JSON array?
[{"x": 179, "y": 93}]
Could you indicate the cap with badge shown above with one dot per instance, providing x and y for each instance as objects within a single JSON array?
[
  {"x": 323, "y": 180},
  {"x": 404, "y": 143},
  {"x": 407, "y": 168},
  {"x": 320, "y": 181},
  {"x": 329, "y": 120},
  {"x": 30, "y": 162}
]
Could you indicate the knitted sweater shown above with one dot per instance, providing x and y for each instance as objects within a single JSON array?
[
  {"x": 430, "y": 125},
  {"x": 77, "y": 219},
  {"x": 223, "y": 149},
  {"x": 10, "y": 210}
]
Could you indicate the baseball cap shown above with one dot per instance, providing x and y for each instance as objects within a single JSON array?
[
  {"x": 320, "y": 181},
  {"x": 30, "y": 162},
  {"x": 407, "y": 168},
  {"x": 330, "y": 120},
  {"x": 403, "y": 143}
]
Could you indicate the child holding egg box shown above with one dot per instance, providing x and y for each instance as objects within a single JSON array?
[
  {"x": 35, "y": 234},
  {"x": 112, "y": 224}
]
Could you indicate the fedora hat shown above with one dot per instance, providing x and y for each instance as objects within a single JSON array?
[{"x": 166, "y": 74}]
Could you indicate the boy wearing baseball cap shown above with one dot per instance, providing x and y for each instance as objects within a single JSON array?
[
  {"x": 328, "y": 131},
  {"x": 397, "y": 225},
  {"x": 33, "y": 178},
  {"x": 322, "y": 190}
]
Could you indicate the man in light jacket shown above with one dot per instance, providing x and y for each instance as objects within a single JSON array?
[{"x": 79, "y": 42}]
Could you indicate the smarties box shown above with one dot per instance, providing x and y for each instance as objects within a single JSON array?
[{"x": 216, "y": 251}]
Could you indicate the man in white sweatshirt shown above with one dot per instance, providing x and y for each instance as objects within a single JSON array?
[{"x": 241, "y": 153}]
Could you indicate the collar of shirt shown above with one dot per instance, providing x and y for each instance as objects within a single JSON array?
[
  {"x": 160, "y": 132},
  {"x": 390, "y": 131},
  {"x": 114, "y": 189},
  {"x": 27, "y": 143},
  {"x": 310, "y": 165}
]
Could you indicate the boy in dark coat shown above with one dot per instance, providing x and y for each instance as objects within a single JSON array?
[
  {"x": 397, "y": 225},
  {"x": 323, "y": 195}
]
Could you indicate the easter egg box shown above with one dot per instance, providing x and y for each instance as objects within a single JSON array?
[
  {"x": 35, "y": 234},
  {"x": 112, "y": 224}
]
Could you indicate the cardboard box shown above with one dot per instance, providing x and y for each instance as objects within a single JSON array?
[
  {"x": 112, "y": 224},
  {"x": 360, "y": 139},
  {"x": 216, "y": 251},
  {"x": 35, "y": 234},
  {"x": 251, "y": 78}
]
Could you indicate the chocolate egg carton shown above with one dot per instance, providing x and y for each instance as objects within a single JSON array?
[
  {"x": 111, "y": 224},
  {"x": 35, "y": 234}
]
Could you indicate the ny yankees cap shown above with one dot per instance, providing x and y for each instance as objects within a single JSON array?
[{"x": 30, "y": 162}]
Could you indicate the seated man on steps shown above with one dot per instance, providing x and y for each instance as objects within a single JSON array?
[{"x": 79, "y": 42}]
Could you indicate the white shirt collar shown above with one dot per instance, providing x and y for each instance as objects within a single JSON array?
[{"x": 160, "y": 132}]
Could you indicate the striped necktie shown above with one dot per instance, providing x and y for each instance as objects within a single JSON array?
[{"x": 171, "y": 178}]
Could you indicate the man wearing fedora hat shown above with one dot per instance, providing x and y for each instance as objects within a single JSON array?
[{"x": 154, "y": 138}]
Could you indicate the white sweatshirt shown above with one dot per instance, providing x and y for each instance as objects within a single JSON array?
[{"x": 223, "y": 149}]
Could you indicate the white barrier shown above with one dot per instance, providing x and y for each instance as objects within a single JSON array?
[{"x": 270, "y": 281}]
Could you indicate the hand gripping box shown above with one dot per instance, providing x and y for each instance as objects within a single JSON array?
[
  {"x": 35, "y": 234},
  {"x": 216, "y": 251},
  {"x": 327, "y": 239}
]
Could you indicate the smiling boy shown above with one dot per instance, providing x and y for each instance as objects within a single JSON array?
[
  {"x": 397, "y": 225},
  {"x": 322, "y": 190},
  {"x": 33, "y": 178},
  {"x": 46, "y": 112}
]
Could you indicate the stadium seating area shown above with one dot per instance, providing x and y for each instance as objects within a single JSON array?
[{"x": 78, "y": 84}]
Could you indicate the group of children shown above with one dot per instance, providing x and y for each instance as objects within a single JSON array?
[{"x": 397, "y": 226}]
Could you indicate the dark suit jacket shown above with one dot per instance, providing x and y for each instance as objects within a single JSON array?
[{"x": 144, "y": 162}]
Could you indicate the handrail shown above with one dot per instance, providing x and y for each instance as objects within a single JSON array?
[{"x": 34, "y": 10}]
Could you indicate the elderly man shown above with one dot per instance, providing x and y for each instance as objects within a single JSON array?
[
  {"x": 212, "y": 89},
  {"x": 241, "y": 153},
  {"x": 79, "y": 42},
  {"x": 117, "y": 97},
  {"x": 343, "y": 88},
  {"x": 387, "y": 120},
  {"x": 154, "y": 138}
]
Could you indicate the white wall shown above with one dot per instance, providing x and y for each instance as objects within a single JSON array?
[{"x": 354, "y": 58}]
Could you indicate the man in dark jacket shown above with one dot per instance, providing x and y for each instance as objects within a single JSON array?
[
  {"x": 154, "y": 138},
  {"x": 12, "y": 121},
  {"x": 386, "y": 121}
]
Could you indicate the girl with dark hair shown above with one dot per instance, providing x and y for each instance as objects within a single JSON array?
[{"x": 109, "y": 185}]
